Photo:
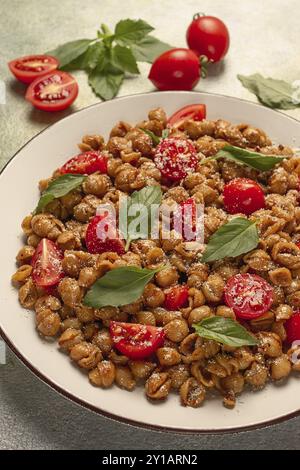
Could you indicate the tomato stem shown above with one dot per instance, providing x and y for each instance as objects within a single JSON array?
[
  {"x": 204, "y": 61},
  {"x": 198, "y": 15}
]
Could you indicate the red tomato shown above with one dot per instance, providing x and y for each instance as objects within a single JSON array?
[
  {"x": 248, "y": 295},
  {"x": 176, "y": 69},
  {"x": 100, "y": 239},
  {"x": 197, "y": 112},
  {"x": 47, "y": 264},
  {"x": 242, "y": 195},
  {"x": 185, "y": 221},
  {"x": 209, "y": 36},
  {"x": 85, "y": 163},
  {"x": 136, "y": 341},
  {"x": 175, "y": 158},
  {"x": 292, "y": 327},
  {"x": 53, "y": 92},
  {"x": 176, "y": 297},
  {"x": 28, "y": 68}
]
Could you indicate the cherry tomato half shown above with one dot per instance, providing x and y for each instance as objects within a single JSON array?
[
  {"x": 209, "y": 36},
  {"x": 176, "y": 69},
  {"x": 28, "y": 68},
  {"x": 242, "y": 195},
  {"x": 47, "y": 264},
  {"x": 197, "y": 112},
  {"x": 292, "y": 328},
  {"x": 134, "y": 340},
  {"x": 249, "y": 295},
  {"x": 53, "y": 92},
  {"x": 176, "y": 297},
  {"x": 104, "y": 237},
  {"x": 175, "y": 158},
  {"x": 85, "y": 163}
]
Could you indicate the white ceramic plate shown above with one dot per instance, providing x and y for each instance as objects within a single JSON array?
[{"x": 18, "y": 196}]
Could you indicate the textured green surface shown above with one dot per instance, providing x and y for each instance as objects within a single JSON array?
[{"x": 265, "y": 38}]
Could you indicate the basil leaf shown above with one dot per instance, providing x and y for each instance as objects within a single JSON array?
[
  {"x": 106, "y": 82},
  {"x": 69, "y": 51},
  {"x": 165, "y": 133},
  {"x": 154, "y": 137},
  {"x": 252, "y": 159},
  {"x": 146, "y": 197},
  {"x": 225, "y": 331},
  {"x": 128, "y": 31},
  {"x": 147, "y": 49},
  {"x": 120, "y": 286},
  {"x": 232, "y": 239},
  {"x": 270, "y": 92},
  {"x": 58, "y": 188},
  {"x": 123, "y": 58},
  {"x": 94, "y": 55}
]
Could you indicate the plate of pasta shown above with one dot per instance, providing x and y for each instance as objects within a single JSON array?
[{"x": 153, "y": 243}]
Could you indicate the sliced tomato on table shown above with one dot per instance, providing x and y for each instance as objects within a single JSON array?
[
  {"x": 52, "y": 92},
  {"x": 249, "y": 295},
  {"x": 102, "y": 235},
  {"x": 28, "y": 68},
  {"x": 47, "y": 264},
  {"x": 134, "y": 340},
  {"x": 197, "y": 112},
  {"x": 175, "y": 158},
  {"x": 85, "y": 163},
  {"x": 243, "y": 195}
]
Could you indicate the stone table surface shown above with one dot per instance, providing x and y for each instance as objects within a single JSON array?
[{"x": 265, "y": 38}]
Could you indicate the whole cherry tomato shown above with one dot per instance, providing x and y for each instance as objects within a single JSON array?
[
  {"x": 243, "y": 196},
  {"x": 209, "y": 36},
  {"x": 176, "y": 69}
]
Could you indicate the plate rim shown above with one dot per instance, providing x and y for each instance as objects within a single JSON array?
[{"x": 81, "y": 402}]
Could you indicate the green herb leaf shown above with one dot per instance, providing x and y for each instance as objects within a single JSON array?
[
  {"x": 252, "y": 159},
  {"x": 93, "y": 56},
  {"x": 69, "y": 51},
  {"x": 106, "y": 83},
  {"x": 225, "y": 331},
  {"x": 129, "y": 31},
  {"x": 154, "y": 137},
  {"x": 149, "y": 48},
  {"x": 232, "y": 239},
  {"x": 165, "y": 133},
  {"x": 120, "y": 286},
  {"x": 270, "y": 92},
  {"x": 123, "y": 59},
  {"x": 146, "y": 197},
  {"x": 58, "y": 188}
]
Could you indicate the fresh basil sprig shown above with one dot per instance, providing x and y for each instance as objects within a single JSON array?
[
  {"x": 225, "y": 331},
  {"x": 120, "y": 286},
  {"x": 110, "y": 55},
  {"x": 146, "y": 198},
  {"x": 155, "y": 139},
  {"x": 58, "y": 188},
  {"x": 254, "y": 160},
  {"x": 271, "y": 92},
  {"x": 236, "y": 237}
]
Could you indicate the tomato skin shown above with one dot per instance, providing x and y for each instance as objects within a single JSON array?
[
  {"x": 54, "y": 91},
  {"x": 176, "y": 297},
  {"x": 47, "y": 264},
  {"x": 134, "y": 340},
  {"x": 186, "y": 217},
  {"x": 292, "y": 328},
  {"x": 175, "y": 158},
  {"x": 28, "y": 68},
  {"x": 197, "y": 112},
  {"x": 110, "y": 242},
  {"x": 85, "y": 163},
  {"x": 209, "y": 36},
  {"x": 176, "y": 69},
  {"x": 243, "y": 195},
  {"x": 249, "y": 295}
]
